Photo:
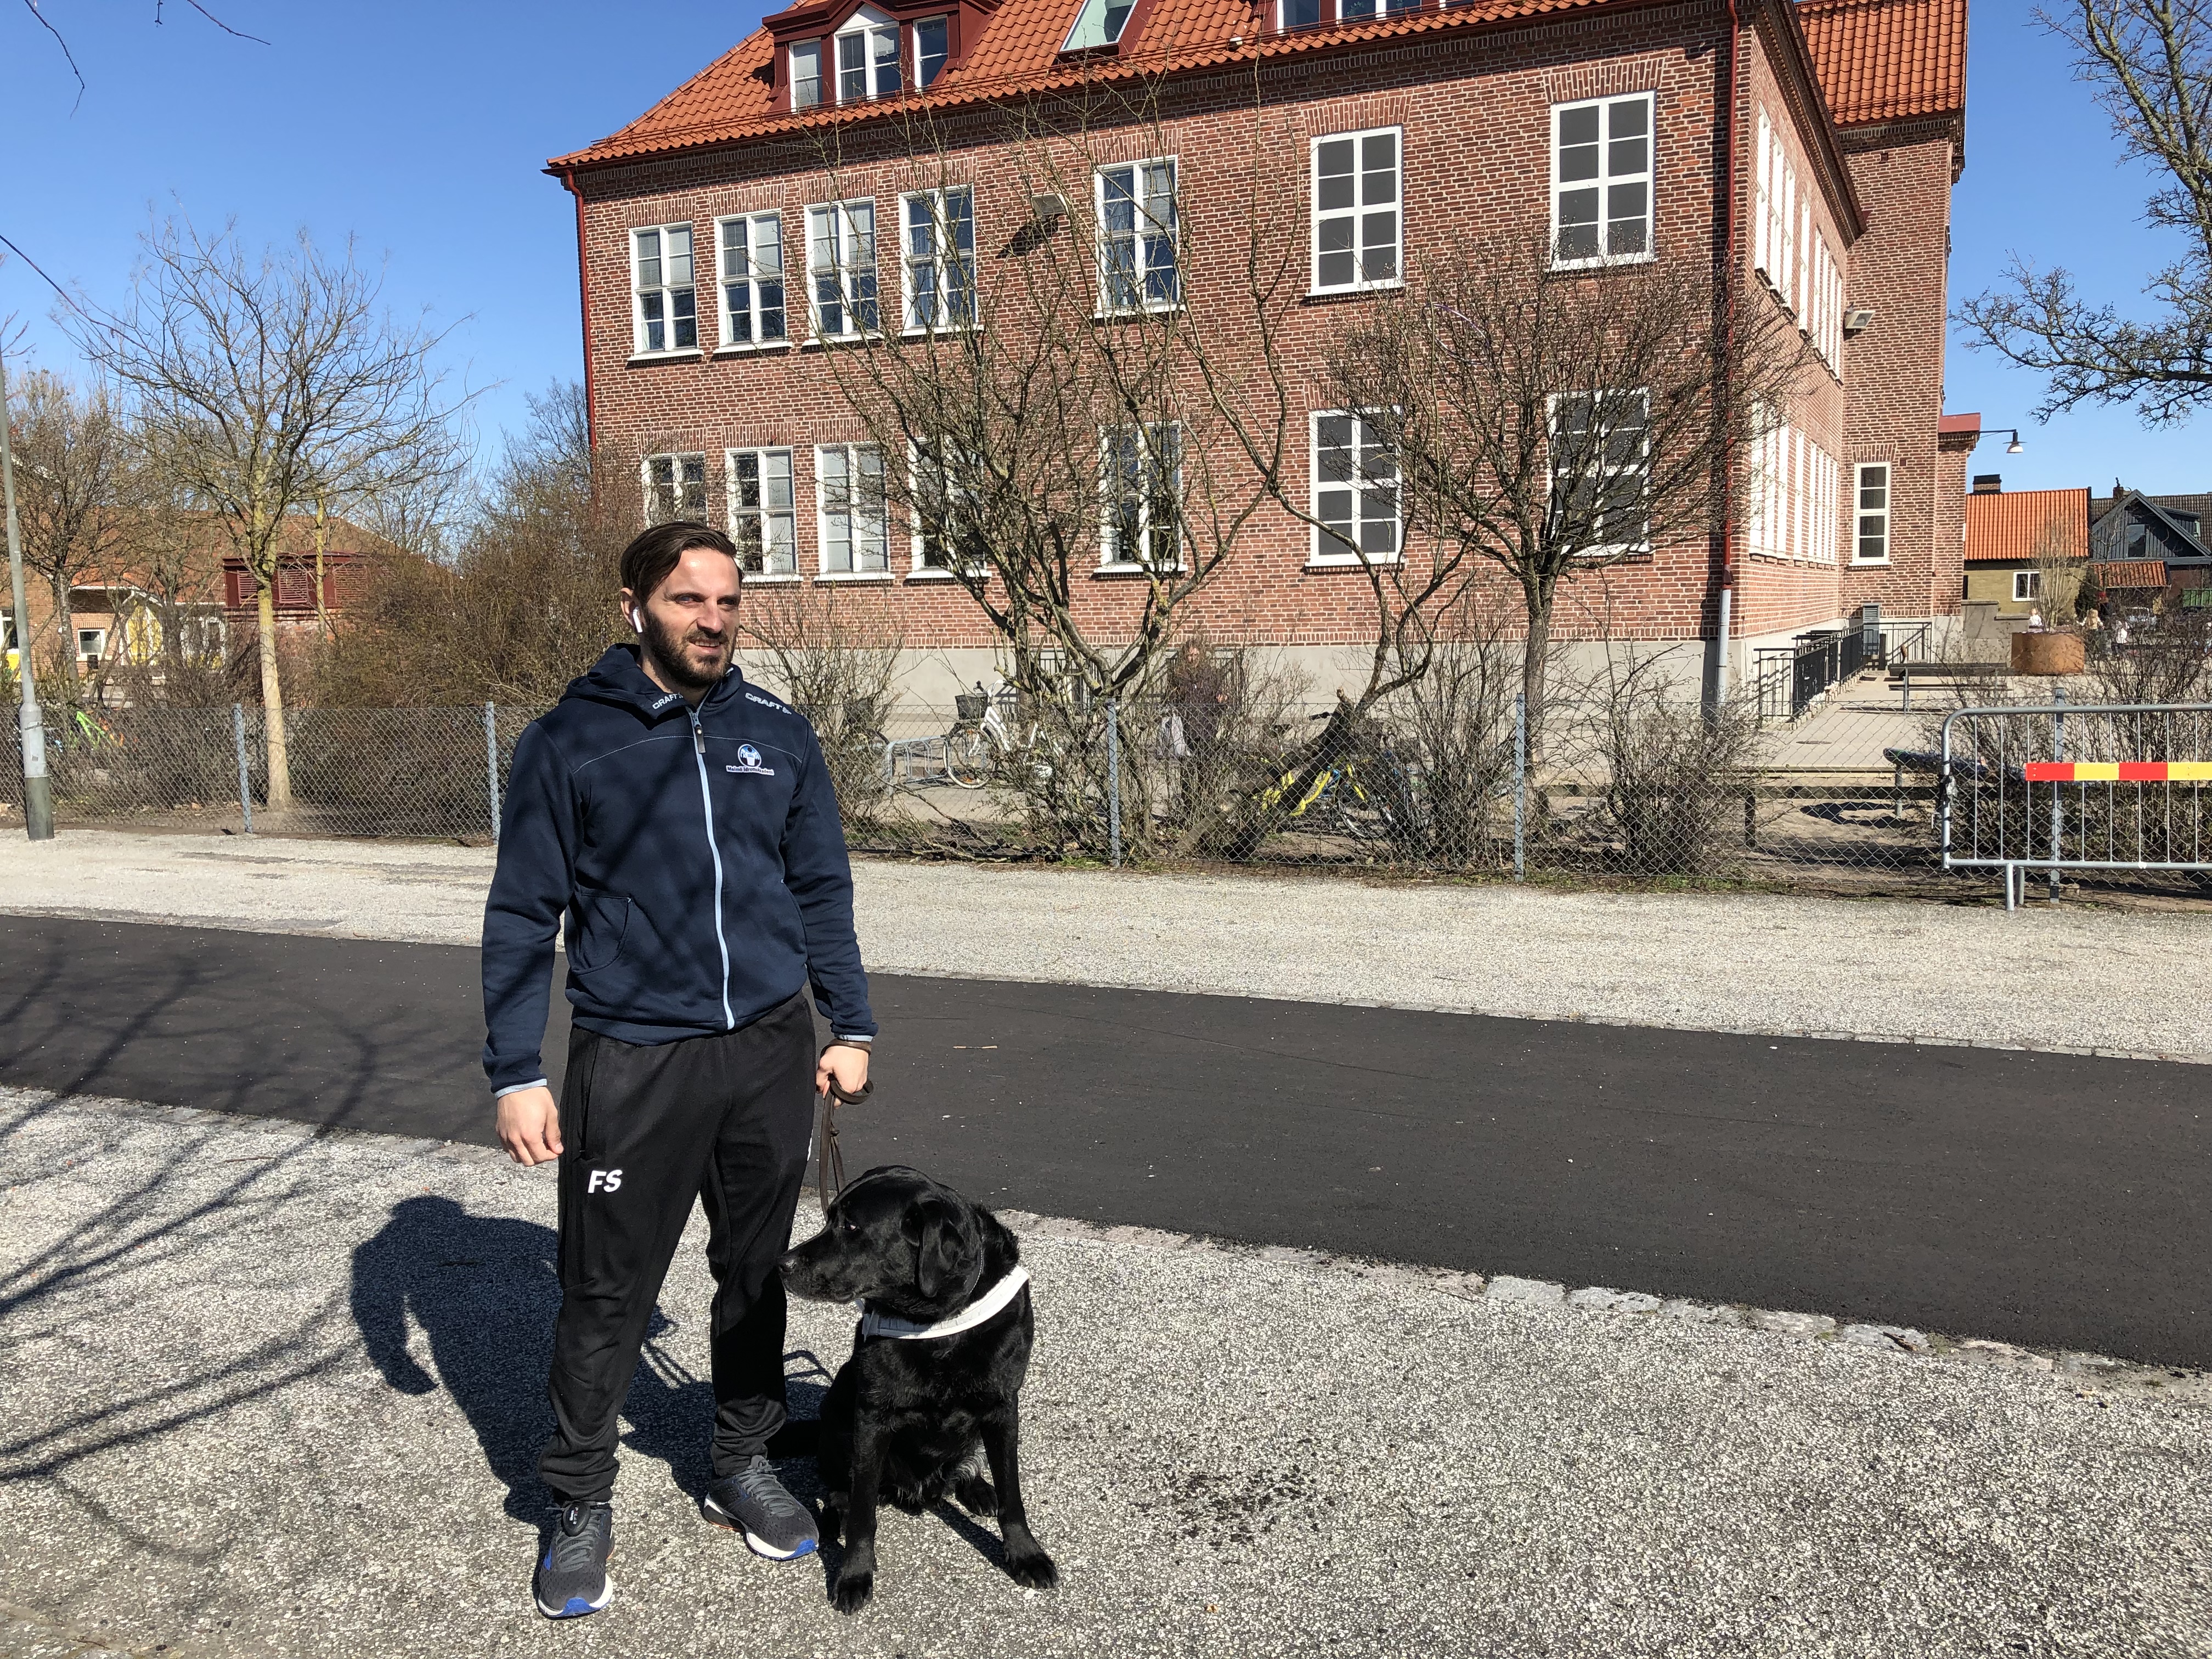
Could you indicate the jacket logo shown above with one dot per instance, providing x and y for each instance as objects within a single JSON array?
[
  {"x": 603, "y": 1181},
  {"x": 659, "y": 703},
  {"x": 749, "y": 760},
  {"x": 766, "y": 703}
]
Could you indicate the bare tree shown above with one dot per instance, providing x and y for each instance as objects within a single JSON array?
[
  {"x": 833, "y": 654},
  {"x": 1043, "y": 424},
  {"x": 2149, "y": 62},
  {"x": 1550, "y": 424},
  {"x": 250, "y": 377},
  {"x": 523, "y": 600},
  {"x": 74, "y": 478},
  {"x": 2061, "y": 567}
]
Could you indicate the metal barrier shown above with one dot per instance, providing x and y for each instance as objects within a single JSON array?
[{"x": 2075, "y": 786}]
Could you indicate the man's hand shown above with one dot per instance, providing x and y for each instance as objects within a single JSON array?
[
  {"x": 530, "y": 1126},
  {"x": 842, "y": 1064}
]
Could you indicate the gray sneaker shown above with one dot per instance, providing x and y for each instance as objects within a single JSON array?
[
  {"x": 753, "y": 1501},
  {"x": 572, "y": 1574}
]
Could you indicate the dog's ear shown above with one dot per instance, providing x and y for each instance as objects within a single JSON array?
[{"x": 946, "y": 1248}]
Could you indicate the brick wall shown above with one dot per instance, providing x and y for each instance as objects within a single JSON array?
[{"x": 1475, "y": 114}]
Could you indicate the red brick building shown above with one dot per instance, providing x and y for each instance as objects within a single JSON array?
[{"x": 1807, "y": 149}]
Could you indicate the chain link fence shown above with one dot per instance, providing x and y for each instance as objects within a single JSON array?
[
  {"x": 1627, "y": 784},
  {"x": 374, "y": 772}
]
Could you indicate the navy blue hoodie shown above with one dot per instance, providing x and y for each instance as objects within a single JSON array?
[{"x": 698, "y": 855}]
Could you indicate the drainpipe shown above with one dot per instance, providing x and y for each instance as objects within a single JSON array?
[
  {"x": 584, "y": 287},
  {"x": 1730, "y": 273}
]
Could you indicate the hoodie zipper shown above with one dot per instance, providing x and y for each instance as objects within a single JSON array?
[{"x": 706, "y": 804}]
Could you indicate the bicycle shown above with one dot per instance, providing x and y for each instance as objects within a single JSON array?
[{"x": 984, "y": 737}]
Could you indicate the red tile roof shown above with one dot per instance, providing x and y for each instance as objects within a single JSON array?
[
  {"x": 2129, "y": 573},
  {"x": 1951, "y": 426},
  {"x": 1019, "y": 50},
  {"x": 2022, "y": 524},
  {"x": 1888, "y": 60},
  {"x": 1875, "y": 59}
]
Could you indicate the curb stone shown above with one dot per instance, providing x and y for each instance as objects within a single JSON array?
[{"x": 2088, "y": 1373}]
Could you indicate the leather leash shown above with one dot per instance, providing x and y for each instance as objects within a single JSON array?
[{"x": 829, "y": 1160}]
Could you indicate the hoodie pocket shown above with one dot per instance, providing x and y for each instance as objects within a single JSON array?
[{"x": 601, "y": 924}]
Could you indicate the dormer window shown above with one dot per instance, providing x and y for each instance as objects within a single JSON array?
[
  {"x": 1311, "y": 14},
  {"x": 867, "y": 58},
  {"x": 1099, "y": 24},
  {"x": 806, "y": 75},
  {"x": 932, "y": 47}
]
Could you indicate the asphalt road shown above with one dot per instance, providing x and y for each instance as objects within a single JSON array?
[{"x": 2047, "y": 1200}]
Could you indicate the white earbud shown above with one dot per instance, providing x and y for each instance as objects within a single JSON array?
[{"x": 636, "y": 625}]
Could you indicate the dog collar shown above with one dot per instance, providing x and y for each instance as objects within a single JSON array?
[{"x": 985, "y": 1306}]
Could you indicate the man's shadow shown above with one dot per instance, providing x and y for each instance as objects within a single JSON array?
[{"x": 485, "y": 1290}]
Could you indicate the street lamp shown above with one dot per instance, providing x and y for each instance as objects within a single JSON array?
[
  {"x": 38, "y": 789},
  {"x": 2015, "y": 446}
]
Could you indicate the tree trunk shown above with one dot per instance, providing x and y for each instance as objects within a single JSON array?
[
  {"x": 1536, "y": 666},
  {"x": 272, "y": 697},
  {"x": 65, "y": 629}
]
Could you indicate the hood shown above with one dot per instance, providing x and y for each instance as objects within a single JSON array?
[{"x": 618, "y": 678}]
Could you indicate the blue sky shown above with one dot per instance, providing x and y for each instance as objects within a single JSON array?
[{"x": 420, "y": 130}]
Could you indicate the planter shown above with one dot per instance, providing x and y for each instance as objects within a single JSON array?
[{"x": 2047, "y": 652}]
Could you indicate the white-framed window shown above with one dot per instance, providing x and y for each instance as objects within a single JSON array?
[
  {"x": 805, "y": 60},
  {"x": 945, "y": 517},
  {"x": 2026, "y": 585},
  {"x": 92, "y": 643},
  {"x": 867, "y": 56},
  {"x": 1137, "y": 255},
  {"x": 1357, "y": 229},
  {"x": 664, "y": 310},
  {"x": 749, "y": 256},
  {"x": 1601, "y": 467},
  {"x": 1099, "y": 23},
  {"x": 675, "y": 488},
  {"x": 1307, "y": 14},
  {"x": 1602, "y": 181},
  {"x": 763, "y": 517},
  {"x": 932, "y": 45},
  {"x": 849, "y": 514},
  {"x": 1355, "y": 491},
  {"x": 841, "y": 269},
  {"x": 939, "y": 233},
  {"x": 1142, "y": 480}
]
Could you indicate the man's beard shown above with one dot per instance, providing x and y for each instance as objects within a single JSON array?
[{"x": 665, "y": 646}]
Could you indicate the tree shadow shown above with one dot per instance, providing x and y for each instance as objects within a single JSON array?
[{"x": 485, "y": 1290}]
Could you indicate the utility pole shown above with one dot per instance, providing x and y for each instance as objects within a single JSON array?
[{"x": 38, "y": 791}]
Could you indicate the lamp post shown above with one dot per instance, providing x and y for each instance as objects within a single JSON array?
[{"x": 38, "y": 791}]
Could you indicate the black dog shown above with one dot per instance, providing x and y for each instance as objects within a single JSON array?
[{"x": 912, "y": 1415}]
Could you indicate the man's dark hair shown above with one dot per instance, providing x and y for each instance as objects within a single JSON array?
[{"x": 650, "y": 557}]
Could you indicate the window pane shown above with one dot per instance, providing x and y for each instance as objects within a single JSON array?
[
  {"x": 806, "y": 75},
  {"x": 1578, "y": 145},
  {"x": 1378, "y": 163},
  {"x": 687, "y": 321},
  {"x": 1629, "y": 119},
  {"x": 929, "y": 49},
  {"x": 768, "y": 246},
  {"x": 1300, "y": 14},
  {"x": 648, "y": 259},
  {"x": 1379, "y": 248},
  {"x": 679, "y": 256},
  {"x": 883, "y": 45},
  {"x": 852, "y": 67},
  {"x": 1578, "y": 236},
  {"x": 1332, "y": 181}
]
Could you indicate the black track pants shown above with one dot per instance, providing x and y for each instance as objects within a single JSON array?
[{"x": 725, "y": 1119}]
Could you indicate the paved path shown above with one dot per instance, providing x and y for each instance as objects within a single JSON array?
[
  {"x": 2047, "y": 1200},
  {"x": 275, "y": 1393},
  {"x": 2074, "y": 978}
]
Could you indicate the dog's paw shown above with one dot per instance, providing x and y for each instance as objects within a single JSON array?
[
  {"x": 853, "y": 1590},
  {"x": 1032, "y": 1570},
  {"x": 977, "y": 1496},
  {"x": 913, "y": 1500}
]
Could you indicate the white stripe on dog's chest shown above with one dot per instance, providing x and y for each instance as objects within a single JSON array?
[{"x": 984, "y": 1308}]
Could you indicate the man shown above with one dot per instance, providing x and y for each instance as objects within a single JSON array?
[{"x": 684, "y": 823}]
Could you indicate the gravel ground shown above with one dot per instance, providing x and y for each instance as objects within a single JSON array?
[
  {"x": 275, "y": 1392},
  {"x": 1884, "y": 969}
]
